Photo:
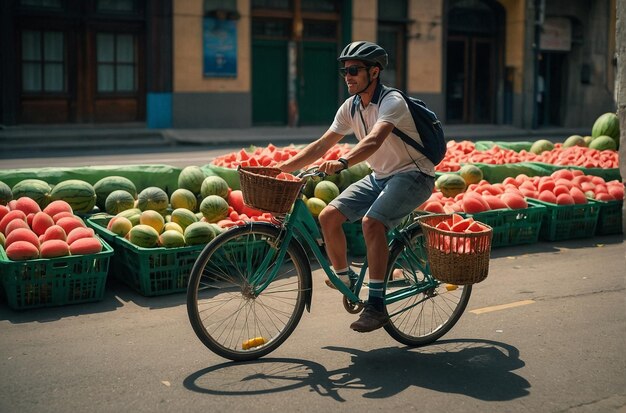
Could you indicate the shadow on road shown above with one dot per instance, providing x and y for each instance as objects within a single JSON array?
[{"x": 481, "y": 369}]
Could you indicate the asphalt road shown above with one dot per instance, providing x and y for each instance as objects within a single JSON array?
[
  {"x": 178, "y": 156},
  {"x": 545, "y": 332}
]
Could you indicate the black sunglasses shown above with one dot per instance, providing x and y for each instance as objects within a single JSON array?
[{"x": 351, "y": 70}]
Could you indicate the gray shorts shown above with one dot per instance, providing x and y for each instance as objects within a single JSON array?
[{"x": 388, "y": 200}]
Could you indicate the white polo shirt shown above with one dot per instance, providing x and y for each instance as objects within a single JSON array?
[{"x": 394, "y": 155}]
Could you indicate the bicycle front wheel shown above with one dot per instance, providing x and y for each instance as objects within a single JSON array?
[
  {"x": 237, "y": 311},
  {"x": 419, "y": 318}
]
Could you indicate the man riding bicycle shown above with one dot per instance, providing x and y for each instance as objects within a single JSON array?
[{"x": 402, "y": 177}]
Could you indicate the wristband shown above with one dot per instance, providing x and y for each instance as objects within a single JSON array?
[{"x": 344, "y": 161}]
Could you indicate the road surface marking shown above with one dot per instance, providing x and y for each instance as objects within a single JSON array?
[{"x": 501, "y": 307}]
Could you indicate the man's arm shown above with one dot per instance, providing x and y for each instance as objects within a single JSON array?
[
  {"x": 362, "y": 150},
  {"x": 311, "y": 152}
]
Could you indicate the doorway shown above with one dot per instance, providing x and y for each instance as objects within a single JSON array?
[
  {"x": 473, "y": 60},
  {"x": 470, "y": 80},
  {"x": 294, "y": 61},
  {"x": 88, "y": 67},
  {"x": 552, "y": 77}
]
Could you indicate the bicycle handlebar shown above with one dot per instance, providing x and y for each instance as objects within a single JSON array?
[{"x": 312, "y": 171}]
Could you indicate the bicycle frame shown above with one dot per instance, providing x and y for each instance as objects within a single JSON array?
[{"x": 300, "y": 224}]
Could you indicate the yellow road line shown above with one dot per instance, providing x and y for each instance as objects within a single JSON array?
[{"x": 501, "y": 307}]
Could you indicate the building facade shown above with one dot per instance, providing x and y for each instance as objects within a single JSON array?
[{"x": 244, "y": 63}]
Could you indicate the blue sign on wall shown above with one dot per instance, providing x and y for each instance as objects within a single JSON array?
[{"x": 219, "y": 47}]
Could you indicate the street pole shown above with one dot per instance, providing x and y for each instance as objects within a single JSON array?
[
  {"x": 539, "y": 14},
  {"x": 620, "y": 47}
]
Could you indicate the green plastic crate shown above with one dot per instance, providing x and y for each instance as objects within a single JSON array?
[
  {"x": 564, "y": 222},
  {"x": 513, "y": 226},
  {"x": 354, "y": 238},
  {"x": 55, "y": 281},
  {"x": 525, "y": 225},
  {"x": 149, "y": 271},
  {"x": 495, "y": 219},
  {"x": 160, "y": 271},
  {"x": 609, "y": 217}
]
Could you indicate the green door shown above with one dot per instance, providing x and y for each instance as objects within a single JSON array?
[
  {"x": 269, "y": 82},
  {"x": 318, "y": 87}
]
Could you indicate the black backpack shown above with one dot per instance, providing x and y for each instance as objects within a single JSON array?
[{"x": 426, "y": 124}]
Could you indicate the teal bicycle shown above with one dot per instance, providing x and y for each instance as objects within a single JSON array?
[{"x": 250, "y": 285}]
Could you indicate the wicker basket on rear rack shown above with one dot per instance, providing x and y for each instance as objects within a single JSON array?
[
  {"x": 456, "y": 257},
  {"x": 262, "y": 190}
]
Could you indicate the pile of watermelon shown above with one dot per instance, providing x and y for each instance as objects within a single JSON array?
[
  {"x": 598, "y": 150},
  {"x": 197, "y": 211},
  {"x": 28, "y": 232},
  {"x": 267, "y": 156},
  {"x": 464, "y": 152},
  {"x": 562, "y": 187}
]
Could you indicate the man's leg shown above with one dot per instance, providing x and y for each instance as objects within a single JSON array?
[
  {"x": 331, "y": 220},
  {"x": 373, "y": 316}
]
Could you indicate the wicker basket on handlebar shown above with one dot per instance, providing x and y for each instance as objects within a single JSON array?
[
  {"x": 262, "y": 190},
  {"x": 456, "y": 257}
]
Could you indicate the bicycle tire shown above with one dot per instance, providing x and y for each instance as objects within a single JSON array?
[
  {"x": 419, "y": 319},
  {"x": 224, "y": 312}
]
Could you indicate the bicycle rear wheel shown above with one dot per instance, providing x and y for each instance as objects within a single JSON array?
[
  {"x": 227, "y": 311},
  {"x": 418, "y": 319}
]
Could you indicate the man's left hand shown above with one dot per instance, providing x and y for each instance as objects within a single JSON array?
[{"x": 331, "y": 167}]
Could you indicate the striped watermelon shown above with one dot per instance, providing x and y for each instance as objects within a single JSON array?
[
  {"x": 214, "y": 208},
  {"x": 199, "y": 233},
  {"x": 607, "y": 124},
  {"x": 5, "y": 193},
  {"x": 450, "y": 184},
  {"x": 183, "y": 217},
  {"x": 79, "y": 194},
  {"x": 108, "y": 184},
  {"x": 118, "y": 201},
  {"x": 191, "y": 178},
  {"x": 143, "y": 236},
  {"x": 153, "y": 198},
  {"x": 171, "y": 239},
  {"x": 214, "y": 185},
  {"x": 132, "y": 215},
  {"x": 35, "y": 189}
]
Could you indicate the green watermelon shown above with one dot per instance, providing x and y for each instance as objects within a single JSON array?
[
  {"x": 359, "y": 171},
  {"x": 79, "y": 194},
  {"x": 183, "y": 217},
  {"x": 35, "y": 189},
  {"x": 603, "y": 143},
  {"x": 214, "y": 185},
  {"x": 450, "y": 184},
  {"x": 184, "y": 198},
  {"x": 143, "y": 236},
  {"x": 574, "y": 140},
  {"x": 326, "y": 191},
  {"x": 109, "y": 184},
  {"x": 132, "y": 215},
  {"x": 541, "y": 145},
  {"x": 191, "y": 178},
  {"x": 606, "y": 124},
  {"x": 214, "y": 208},
  {"x": 199, "y": 233},
  {"x": 171, "y": 239},
  {"x": 118, "y": 201},
  {"x": 5, "y": 193},
  {"x": 153, "y": 198}
]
